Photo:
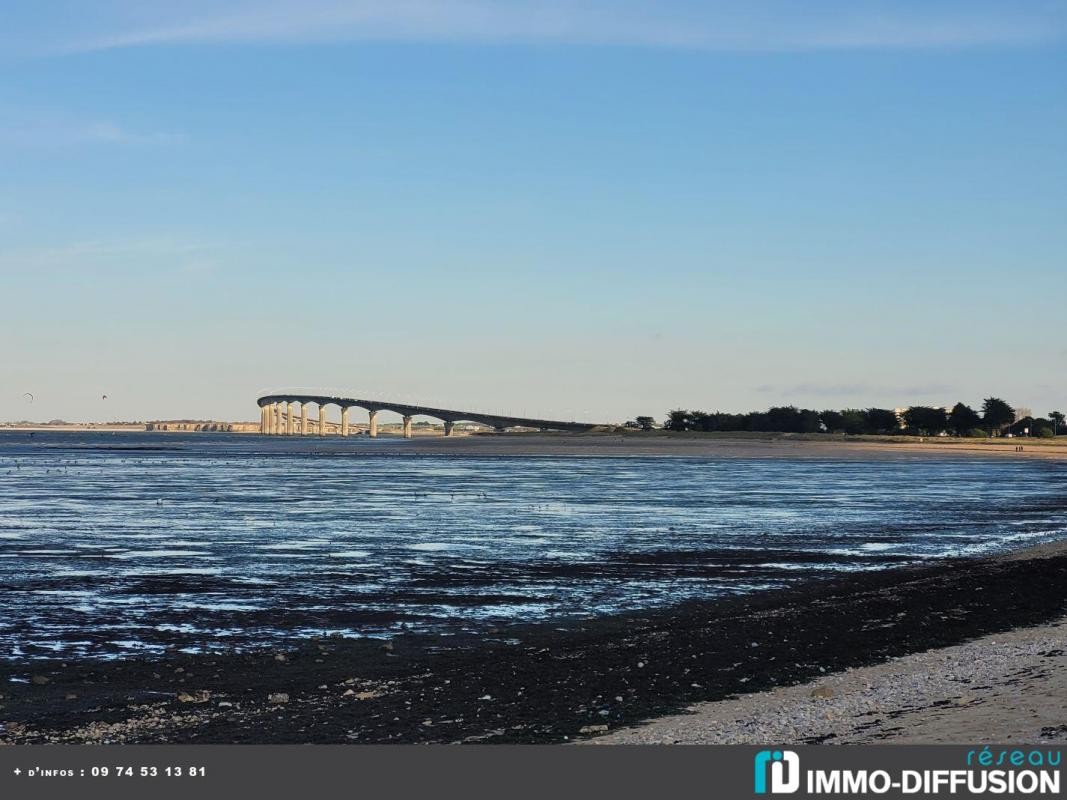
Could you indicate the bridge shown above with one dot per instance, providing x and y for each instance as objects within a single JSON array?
[{"x": 278, "y": 416}]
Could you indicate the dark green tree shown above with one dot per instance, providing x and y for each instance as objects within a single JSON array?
[
  {"x": 785, "y": 419},
  {"x": 781, "y": 419},
  {"x": 855, "y": 421},
  {"x": 730, "y": 422},
  {"x": 881, "y": 420},
  {"x": 963, "y": 419},
  {"x": 701, "y": 421},
  {"x": 925, "y": 420},
  {"x": 677, "y": 420},
  {"x": 645, "y": 423},
  {"x": 809, "y": 421},
  {"x": 997, "y": 415},
  {"x": 1043, "y": 428},
  {"x": 833, "y": 420},
  {"x": 1057, "y": 419}
]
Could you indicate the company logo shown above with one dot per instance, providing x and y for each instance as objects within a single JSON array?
[
  {"x": 1011, "y": 772},
  {"x": 784, "y": 768}
]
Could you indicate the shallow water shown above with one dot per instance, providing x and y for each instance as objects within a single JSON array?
[{"x": 113, "y": 544}]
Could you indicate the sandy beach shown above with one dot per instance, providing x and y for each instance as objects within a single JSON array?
[
  {"x": 1009, "y": 687},
  {"x": 663, "y": 444}
]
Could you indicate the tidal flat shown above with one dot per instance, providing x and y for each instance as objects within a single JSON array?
[{"x": 163, "y": 587}]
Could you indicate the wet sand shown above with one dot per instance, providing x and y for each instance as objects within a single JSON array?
[
  {"x": 562, "y": 683},
  {"x": 1008, "y": 687},
  {"x": 663, "y": 444}
]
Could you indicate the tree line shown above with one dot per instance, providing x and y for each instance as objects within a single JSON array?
[{"x": 995, "y": 418}]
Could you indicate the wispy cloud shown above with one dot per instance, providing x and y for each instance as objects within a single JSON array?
[
  {"x": 51, "y": 130},
  {"x": 765, "y": 25}
]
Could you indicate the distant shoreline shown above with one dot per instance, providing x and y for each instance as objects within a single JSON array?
[
  {"x": 133, "y": 427},
  {"x": 657, "y": 444},
  {"x": 736, "y": 446},
  {"x": 9, "y": 427}
]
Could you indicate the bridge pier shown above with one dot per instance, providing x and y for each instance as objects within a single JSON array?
[
  {"x": 322, "y": 419},
  {"x": 276, "y": 422},
  {"x": 372, "y": 428},
  {"x": 262, "y": 419},
  {"x": 344, "y": 421},
  {"x": 303, "y": 419},
  {"x": 289, "y": 418},
  {"x": 448, "y": 427},
  {"x": 407, "y": 427}
]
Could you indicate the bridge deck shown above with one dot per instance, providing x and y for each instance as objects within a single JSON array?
[{"x": 445, "y": 414}]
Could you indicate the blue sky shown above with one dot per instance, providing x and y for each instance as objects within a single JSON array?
[{"x": 593, "y": 210}]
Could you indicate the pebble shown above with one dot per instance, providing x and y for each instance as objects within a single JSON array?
[{"x": 592, "y": 729}]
